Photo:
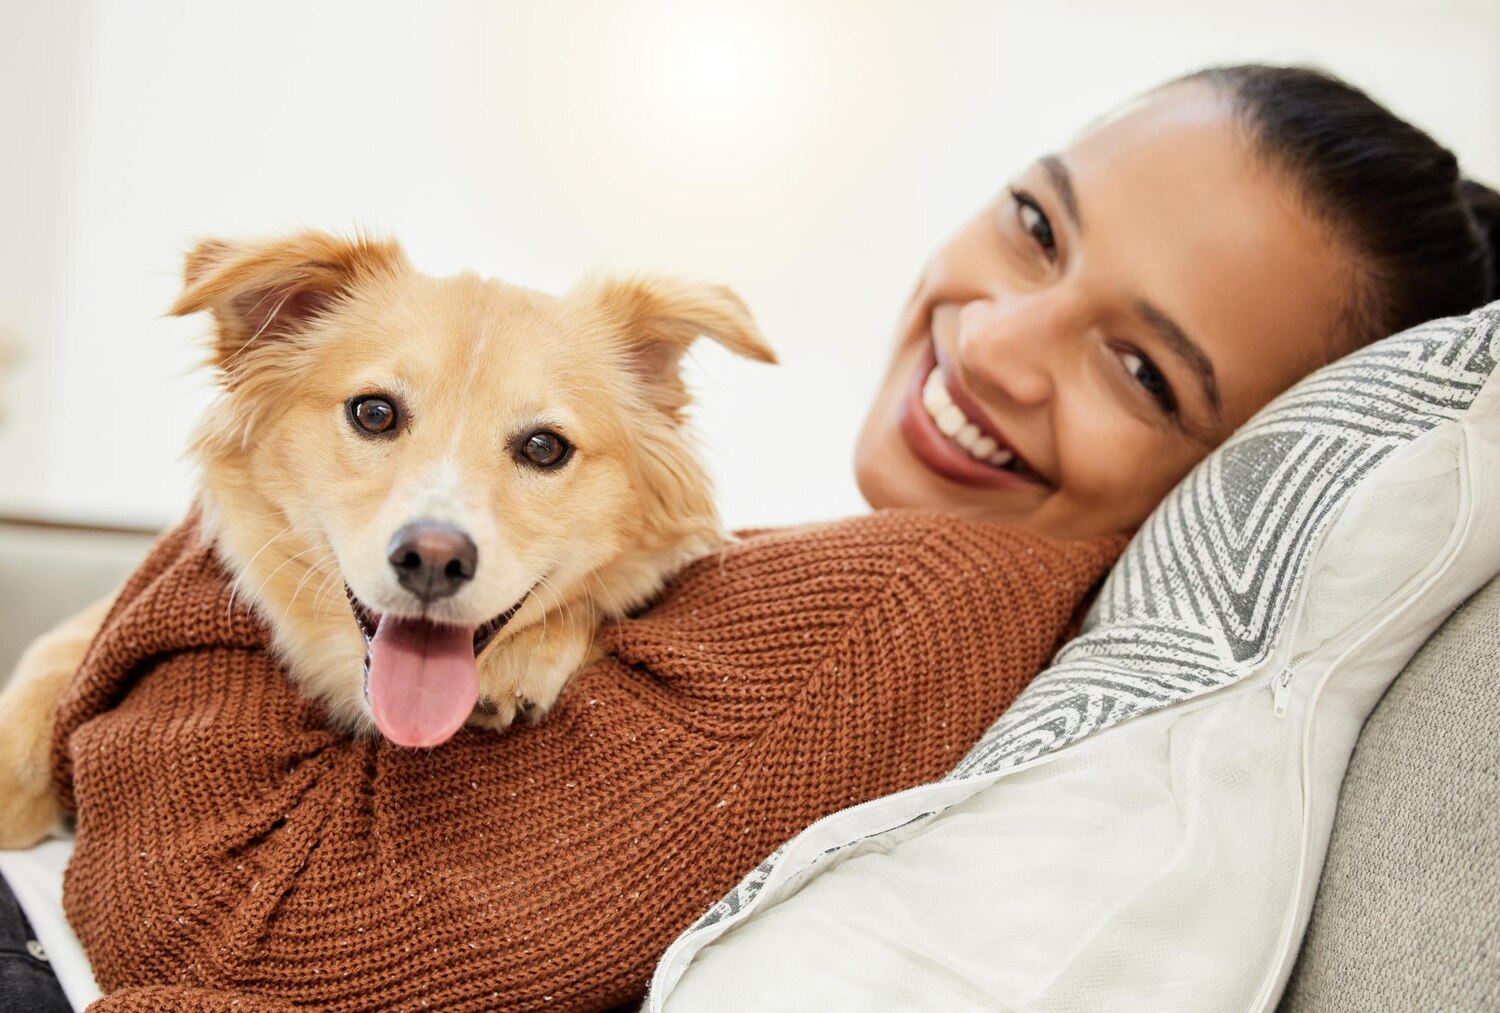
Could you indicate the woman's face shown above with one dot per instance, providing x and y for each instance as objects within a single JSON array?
[{"x": 1101, "y": 326}]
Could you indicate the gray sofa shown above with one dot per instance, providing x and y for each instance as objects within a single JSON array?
[{"x": 1408, "y": 911}]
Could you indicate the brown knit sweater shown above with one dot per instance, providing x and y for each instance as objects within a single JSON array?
[{"x": 234, "y": 853}]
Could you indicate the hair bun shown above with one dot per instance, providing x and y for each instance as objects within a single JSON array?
[{"x": 1484, "y": 205}]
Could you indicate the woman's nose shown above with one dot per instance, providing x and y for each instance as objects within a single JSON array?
[{"x": 1014, "y": 348}]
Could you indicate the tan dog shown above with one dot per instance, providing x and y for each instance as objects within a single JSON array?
[{"x": 432, "y": 490}]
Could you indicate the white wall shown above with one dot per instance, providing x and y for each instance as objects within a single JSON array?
[{"x": 810, "y": 154}]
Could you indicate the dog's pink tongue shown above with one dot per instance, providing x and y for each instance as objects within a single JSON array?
[{"x": 424, "y": 681}]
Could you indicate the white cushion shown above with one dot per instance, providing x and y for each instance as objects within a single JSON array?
[{"x": 1143, "y": 829}]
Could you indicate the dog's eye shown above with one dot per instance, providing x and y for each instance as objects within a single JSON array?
[
  {"x": 545, "y": 449},
  {"x": 372, "y": 413}
]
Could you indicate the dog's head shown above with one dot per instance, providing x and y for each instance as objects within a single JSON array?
[{"x": 459, "y": 456}]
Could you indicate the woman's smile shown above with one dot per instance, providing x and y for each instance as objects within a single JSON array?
[{"x": 948, "y": 432}]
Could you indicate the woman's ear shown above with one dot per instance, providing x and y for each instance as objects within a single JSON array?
[
  {"x": 658, "y": 318},
  {"x": 270, "y": 290}
]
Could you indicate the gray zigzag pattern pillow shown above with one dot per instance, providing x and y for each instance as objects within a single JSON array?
[{"x": 1199, "y": 596}]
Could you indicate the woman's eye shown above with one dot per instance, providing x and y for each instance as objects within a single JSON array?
[
  {"x": 545, "y": 449},
  {"x": 374, "y": 414},
  {"x": 1034, "y": 221},
  {"x": 1148, "y": 376}
]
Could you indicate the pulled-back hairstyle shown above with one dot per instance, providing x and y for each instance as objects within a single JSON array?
[{"x": 1423, "y": 238}]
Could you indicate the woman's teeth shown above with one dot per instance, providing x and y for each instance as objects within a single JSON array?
[{"x": 954, "y": 424}]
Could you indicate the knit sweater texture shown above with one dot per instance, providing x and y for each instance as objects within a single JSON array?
[{"x": 234, "y": 853}]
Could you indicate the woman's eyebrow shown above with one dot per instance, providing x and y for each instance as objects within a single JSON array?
[
  {"x": 1186, "y": 349},
  {"x": 1062, "y": 181}
]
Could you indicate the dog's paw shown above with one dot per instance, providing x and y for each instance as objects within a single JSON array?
[
  {"x": 530, "y": 675},
  {"x": 500, "y": 715},
  {"x": 27, "y": 820},
  {"x": 529, "y": 711},
  {"x": 28, "y": 808},
  {"x": 494, "y": 715}
]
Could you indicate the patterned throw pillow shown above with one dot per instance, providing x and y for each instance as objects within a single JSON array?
[
  {"x": 1232, "y": 656},
  {"x": 1198, "y": 599}
]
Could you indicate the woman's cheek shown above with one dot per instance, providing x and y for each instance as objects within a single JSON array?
[{"x": 1109, "y": 461}]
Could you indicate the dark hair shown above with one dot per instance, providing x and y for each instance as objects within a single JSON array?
[{"x": 1424, "y": 239}]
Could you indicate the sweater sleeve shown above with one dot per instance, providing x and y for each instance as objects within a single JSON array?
[
  {"x": 229, "y": 844},
  {"x": 876, "y": 650}
]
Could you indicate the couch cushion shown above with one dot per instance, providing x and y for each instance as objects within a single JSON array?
[{"x": 1408, "y": 912}]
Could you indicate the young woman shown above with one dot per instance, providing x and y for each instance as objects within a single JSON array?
[
  {"x": 1121, "y": 307},
  {"x": 1091, "y": 334}
]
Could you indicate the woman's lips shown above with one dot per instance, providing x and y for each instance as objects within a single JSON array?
[{"x": 942, "y": 453}]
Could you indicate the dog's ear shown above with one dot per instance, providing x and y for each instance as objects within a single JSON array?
[
  {"x": 658, "y": 318},
  {"x": 269, "y": 290}
]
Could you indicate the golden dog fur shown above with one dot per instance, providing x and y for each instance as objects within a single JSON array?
[{"x": 301, "y": 504}]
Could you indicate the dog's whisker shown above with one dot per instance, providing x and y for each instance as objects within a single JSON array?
[
  {"x": 234, "y": 587},
  {"x": 329, "y": 580},
  {"x": 329, "y": 567},
  {"x": 267, "y": 544},
  {"x": 290, "y": 559},
  {"x": 286, "y": 613},
  {"x": 545, "y": 584},
  {"x": 595, "y": 600},
  {"x": 581, "y": 605},
  {"x": 558, "y": 605}
]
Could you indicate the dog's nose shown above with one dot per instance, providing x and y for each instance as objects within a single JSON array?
[{"x": 433, "y": 560}]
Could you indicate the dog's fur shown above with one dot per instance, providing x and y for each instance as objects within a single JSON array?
[{"x": 302, "y": 504}]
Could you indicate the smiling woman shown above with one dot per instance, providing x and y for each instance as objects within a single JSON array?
[
  {"x": 1125, "y": 305},
  {"x": 1114, "y": 314}
]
